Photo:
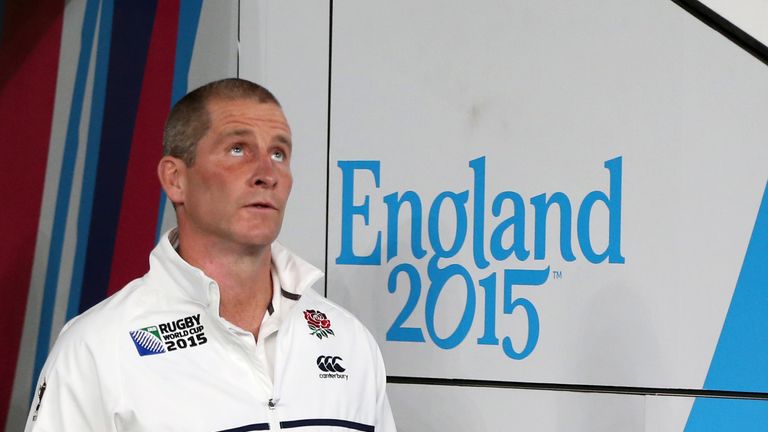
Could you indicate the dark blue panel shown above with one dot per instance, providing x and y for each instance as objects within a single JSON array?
[
  {"x": 2, "y": 17},
  {"x": 131, "y": 31},
  {"x": 326, "y": 422},
  {"x": 250, "y": 427}
]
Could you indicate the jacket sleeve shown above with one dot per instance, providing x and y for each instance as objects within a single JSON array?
[
  {"x": 385, "y": 422},
  {"x": 69, "y": 394}
]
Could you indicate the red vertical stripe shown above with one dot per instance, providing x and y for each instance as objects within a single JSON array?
[
  {"x": 29, "y": 60},
  {"x": 141, "y": 194}
]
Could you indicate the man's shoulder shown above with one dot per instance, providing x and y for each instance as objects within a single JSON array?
[
  {"x": 119, "y": 325},
  {"x": 318, "y": 306},
  {"x": 136, "y": 302},
  {"x": 313, "y": 299},
  {"x": 91, "y": 341},
  {"x": 110, "y": 312}
]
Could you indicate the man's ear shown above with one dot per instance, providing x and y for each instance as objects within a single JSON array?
[{"x": 172, "y": 174}]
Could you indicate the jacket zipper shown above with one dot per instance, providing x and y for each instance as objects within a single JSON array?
[{"x": 274, "y": 422}]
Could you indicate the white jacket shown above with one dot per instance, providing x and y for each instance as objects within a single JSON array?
[{"x": 156, "y": 356}]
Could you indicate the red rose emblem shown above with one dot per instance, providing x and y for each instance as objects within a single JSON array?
[
  {"x": 318, "y": 323},
  {"x": 309, "y": 316}
]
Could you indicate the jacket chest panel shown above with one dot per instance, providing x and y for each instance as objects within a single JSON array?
[{"x": 188, "y": 372}]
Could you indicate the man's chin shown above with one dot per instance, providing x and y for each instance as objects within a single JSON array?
[{"x": 257, "y": 239}]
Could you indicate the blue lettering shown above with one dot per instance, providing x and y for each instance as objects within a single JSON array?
[
  {"x": 398, "y": 332},
  {"x": 530, "y": 278},
  {"x": 541, "y": 206},
  {"x": 459, "y": 201},
  {"x": 439, "y": 277},
  {"x": 478, "y": 212},
  {"x": 613, "y": 250},
  {"x": 500, "y": 245},
  {"x": 349, "y": 210},
  {"x": 393, "y": 213},
  {"x": 517, "y": 221}
]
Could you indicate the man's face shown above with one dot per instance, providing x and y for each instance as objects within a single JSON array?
[{"x": 237, "y": 189}]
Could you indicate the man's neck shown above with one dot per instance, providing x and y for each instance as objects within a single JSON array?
[{"x": 243, "y": 276}]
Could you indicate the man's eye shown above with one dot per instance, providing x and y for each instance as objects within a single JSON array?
[
  {"x": 278, "y": 155},
  {"x": 237, "y": 150}
]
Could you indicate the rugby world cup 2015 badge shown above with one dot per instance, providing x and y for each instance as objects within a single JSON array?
[
  {"x": 178, "y": 334},
  {"x": 148, "y": 341}
]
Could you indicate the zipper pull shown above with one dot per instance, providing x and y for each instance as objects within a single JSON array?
[{"x": 271, "y": 404}]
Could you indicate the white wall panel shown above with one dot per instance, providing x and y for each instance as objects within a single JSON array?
[
  {"x": 494, "y": 409},
  {"x": 548, "y": 92}
]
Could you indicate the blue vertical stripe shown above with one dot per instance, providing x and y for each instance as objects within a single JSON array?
[
  {"x": 71, "y": 143},
  {"x": 132, "y": 26},
  {"x": 189, "y": 18},
  {"x": 740, "y": 362},
  {"x": 92, "y": 154}
]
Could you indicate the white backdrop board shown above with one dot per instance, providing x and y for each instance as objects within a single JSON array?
[
  {"x": 493, "y": 409},
  {"x": 557, "y": 193},
  {"x": 583, "y": 183}
]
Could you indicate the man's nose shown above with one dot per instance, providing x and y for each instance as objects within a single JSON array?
[{"x": 264, "y": 171}]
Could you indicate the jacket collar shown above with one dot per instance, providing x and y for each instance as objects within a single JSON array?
[{"x": 294, "y": 274}]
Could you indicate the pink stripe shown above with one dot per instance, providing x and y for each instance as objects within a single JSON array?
[{"x": 30, "y": 53}]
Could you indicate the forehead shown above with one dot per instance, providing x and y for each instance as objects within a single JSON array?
[{"x": 243, "y": 115}]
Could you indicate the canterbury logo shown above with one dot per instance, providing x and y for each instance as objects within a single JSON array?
[{"x": 330, "y": 364}]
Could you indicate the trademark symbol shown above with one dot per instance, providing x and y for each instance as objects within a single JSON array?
[{"x": 557, "y": 274}]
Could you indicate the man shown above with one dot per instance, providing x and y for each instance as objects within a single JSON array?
[{"x": 224, "y": 332}]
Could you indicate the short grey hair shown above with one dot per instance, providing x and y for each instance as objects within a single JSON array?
[{"x": 189, "y": 119}]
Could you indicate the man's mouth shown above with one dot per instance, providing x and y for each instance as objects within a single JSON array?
[{"x": 262, "y": 205}]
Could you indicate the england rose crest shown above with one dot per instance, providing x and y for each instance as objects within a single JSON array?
[{"x": 318, "y": 323}]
